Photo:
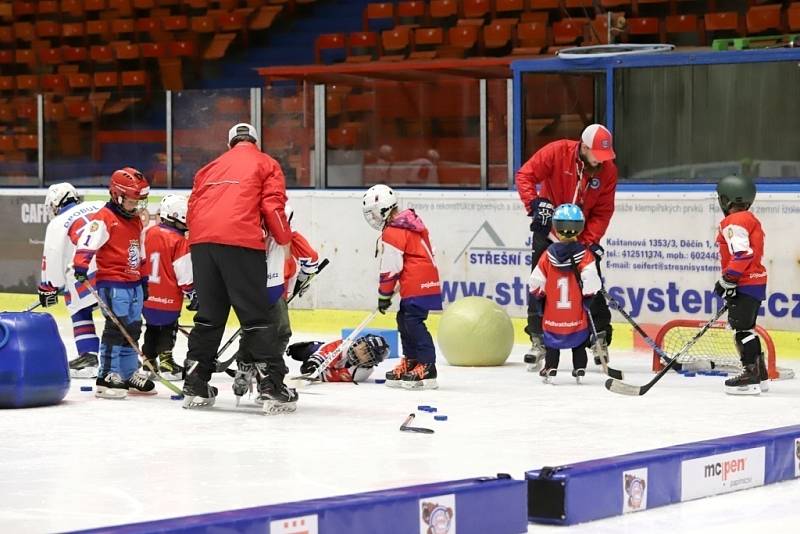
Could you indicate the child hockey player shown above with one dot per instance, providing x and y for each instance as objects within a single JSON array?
[
  {"x": 302, "y": 263},
  {"x": 743, "y": 283},
  {"x": 355, "y": 366},
  {"x": 407, "y": 260},
  {"x": 567, "y": 276},
  {"x": 70, "y": 217},
  {"x": 170, "y": 279},
  {"x": 114, "y": 238}
]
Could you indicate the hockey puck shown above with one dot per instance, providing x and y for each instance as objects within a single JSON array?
[
  {"x": 423, "y": 407},
  {"x": 176, "y": 397},
  {"x": 380, "y": 380},
  {"x": 432, "y": 409},
  {"x": 440, "y": 417},
  {"x": 689, "y": 374},
  {"x": 86, "y": 388}
]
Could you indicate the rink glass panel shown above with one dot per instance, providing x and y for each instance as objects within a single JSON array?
[{"x": 703, "y": 122}]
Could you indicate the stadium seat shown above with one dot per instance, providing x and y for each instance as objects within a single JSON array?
[
  {"x": 25, "y": 56},
  {"x": 177, "y": 23},
  {"x": 363, "y": 46},
  {"x": 145, "y": 4},
  {"x": 99, "y": 28},
  {"x": 616, "y": 5},
  {"x": 545, "y": 4},
  {"x": 330, "y": 48},
  {"x": 425, "y": 42},
  {"x": 204, "y": 24},
  {"x": 123, "y": 8},
  {"x": 121, "y": 28},
  {"x": 80, "y": 109},
  {"x": 763, "y": 19},
  {"x": 411, "y": 13},
  {"x": 531, "y": 38},
  {"x": 7, "y": 35},
  {"x": 101, "y": 54},
  {"x": 50, "y": 56},
  {"x": 54, "y": 111},
  {"x": 7, "y": 143},
  {"x": 497, "y": 37},
  {"x": 24, "y": 9},
  {"x": 476, "y": 9},
  {"x": 47, "y": 29},
  {"x": 106, "y": 80},
  {"x": 395, "y": 43},
  {"x": 24, "y": 31},
  {"x": 509, "y": 8},
  {"x": 91, "y": 6},
  {"x": 232, "y": 22},
  {"x": 648, "y": 28},
  {"x": 378, "y": 16},
  {"x": 685, "y": 29},
  {"x": 7, "y": 113},
  {"x": 70, "y": 30},
  {"x": 135, "y": 79},
  {"x": 793, "y": 16},
  {"x": 79, "y": 80},
  {"x": 6, "y": 57},
  {"x": 153, "y": 50},
  {"x": 579, "y": 4},
  {"x": 599, "y": 30},
  {"x": 73, "y": 8},
  {"x": 568, "y": 31},
  {"x": 264, "y": 17},
  {"x": 126, "y": 51},
  {"x": 54, "y": 83},
  {"x": 444, "y": 12},
  {"x": 148, "y": 27},
  {"x": 462, "y": 40},
  {"x": 219, "y": 46},
  {"x": 7, "y": 84},
  {"x": 181, "y": 49},
  {"x": 724, "y": 24},
  {"x": 27, "y": 141},
  {"x": 26, "y": 108},
  {"x": 27, "y": 83},
  {"x": 74, "y": 54}
]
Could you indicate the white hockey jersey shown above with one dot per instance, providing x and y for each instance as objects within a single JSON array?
[{"x": 60, "y": 239}]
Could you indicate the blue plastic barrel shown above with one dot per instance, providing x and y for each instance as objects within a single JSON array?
[{"x": 33, "y": 361}]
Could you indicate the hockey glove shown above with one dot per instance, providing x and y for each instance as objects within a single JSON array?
[
  {"x": 725, "y": 288},
  {"x": 80, "y": 275},
  {"x": 541, "y": 215},
  {"x": 48, "y": 295},
  {"x": 384, "y": 303},
  {"x": 311, "y": 364},
  {"x": 597, "y": 250},
  {"x": 191, "y": 296},
  {"x": 301, "y": 285}
]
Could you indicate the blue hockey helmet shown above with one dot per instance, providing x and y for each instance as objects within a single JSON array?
[{"x": 568, "y": 220}]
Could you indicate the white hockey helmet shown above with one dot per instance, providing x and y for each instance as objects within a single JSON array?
[
  {"x": 173, "y": 208},
  {"x": 58, "y": 195},
  {"x": 377, "y": 203}
]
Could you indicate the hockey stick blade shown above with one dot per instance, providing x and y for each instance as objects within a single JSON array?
[
  {"x": 615, "y": 373},
  {"x": 618, "y": 386},
  {"x": 418, "y": 429}
]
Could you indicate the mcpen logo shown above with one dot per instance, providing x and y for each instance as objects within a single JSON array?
[{"x": 725, "y": 468}]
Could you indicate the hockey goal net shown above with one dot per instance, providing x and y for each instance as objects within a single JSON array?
[{"x": 715, "y": 350}]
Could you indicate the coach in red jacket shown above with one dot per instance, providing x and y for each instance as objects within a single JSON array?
[
  {"x": 236, "y": 199},
  {"x": 579, "y": 172}
]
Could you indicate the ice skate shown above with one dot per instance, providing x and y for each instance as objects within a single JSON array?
[
  {"x": 140, "y": 384},
  {"x": 243, "y": 380},
  {"x": 275, "y": 396},
  {"x": 548, "y": 374},
  {"x": 745, "y": 383},
  {"x": 84, "y": 366},
  {"x": 422, "y": 376},
  {"x": 534, "y": 358},
  {"x": 168, "y": 367},
  {"x": 111, "y": 386},
  {"x": 600, "y": 349},
  {"x": 395, "y": 376},
  {"x": 578, "y": 375},
  {"x": 197, "y": 392}
]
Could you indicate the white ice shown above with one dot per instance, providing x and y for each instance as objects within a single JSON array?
[{"x": 90, "y": 463}]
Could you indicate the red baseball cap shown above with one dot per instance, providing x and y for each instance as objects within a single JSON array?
[{"x": 598, "y": 139}]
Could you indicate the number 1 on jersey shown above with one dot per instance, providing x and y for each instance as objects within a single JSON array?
[
  {"x": 154, "y": 258},
  {"x": 563, "y": 293}
]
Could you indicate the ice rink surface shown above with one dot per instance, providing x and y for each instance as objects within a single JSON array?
[{"x": 90, "y": 463}]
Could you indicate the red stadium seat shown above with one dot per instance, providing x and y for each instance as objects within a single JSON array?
[
  {"x": 7, "y": 35},
  {"x": 101, "y": 28},
  {"x": 26, "y": 108},
  {"x": 645, "y": 26},
  {"x": 74, "y": 8},
  {"x": 106, "y": 80},
  {"x": 121, "y": 27},
  {"x": 25, "y": 56},
  {"x": 509, "y": 8},
  {"x": 444, "y": 12},
  {"x": 568, "y": 31},
  {"x": 615, "y": 4},
  {"x": 148, "y": 26},
  {"x": 204, "y": 24},
  {"x": 47, "y": 29},
  {"x": 177, "y": 23},
  {"x": 27, "y": 142},
  {"x": 396, "y": 42},
  {"x": 426, "y": 40},
  {"x": 182, "y": 49},
  {"x": 463, "y": 38},
  {"x": 153, "y": 50},
  {"x": 727, "y": 22},
  {"x": 94, "y": 5},
  {"x": 793, "y": 16},
  {"x": 762, "y": 19},
  {"x": 80, "y": 109},
  {"x": 74, "y": 54},
  {"x": 27, "y": 83},
  {"x": 54, "y": 111},
  {"x": 24, "y": 31},
  {"x": 7, "y": 84},
  {"x": 363, "y": 46},
  {"x": 54, "y": 83},
  {"x": 46, "y": 9},
  {"x": 135, "y": 79},
  {"x": 126, "y": 51},
  {"x": 572, "y": 4},
  {"x": 378, "y": 16},
  {"x": 497, "y": 35},
  {"x": 50, "y": 56},
  {"x": 79, "y": 80},
  {"x": 264, "y": 17},
  {"x": 6, "y": 57},
  {"x": 232, "y": 22},
  {"x": 678, "y": 25},
  {"x": 73, "y": 29},
  {"x": 531, "y": 38},
  {"x": 546, "y": 4},
  {"x": 476, "y": 9},
  {"x": 6, "y": 142},
  {"x": 328, "y": 41},
  {"x": 101, "y": 54},
  {"x": 122, "y": 7},
  {"x": 411, "y": 12},
  {"x": 24, "y": 9}
]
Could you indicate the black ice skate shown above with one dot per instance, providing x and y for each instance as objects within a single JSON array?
[
  {"x": 140, "y": 384},
  {"x": 168, "y": 367},
  {"x": 548, "y": 374},
  {"x": 273, "y": 393},
  {"x": 534, "y": 358},
  {"x": 196, "y": 391},
  {"x": 600, "y": 349},
  {"x": 745, "y": 383},
  {"x": 394, "y": 377},
  {"x": 243, "y": 380},
  {"x": 763, "y": 374},
  {"x": 84, "y": 366},
  {"x": 111, "y": 386},
  {"x": 422, "y": 376},
  {"x": 578, "y": 374}
]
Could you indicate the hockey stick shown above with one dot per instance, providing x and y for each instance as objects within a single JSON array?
[
  {"x": 614, "y": 305},
  {"x": 111, "y": 315},
  {"x": 33, "y": 306},
  {"x": 405, "y": 428},
  {"x": 222, "y": 366},
  {"x": 610, "y": 371},
  {"x": 617, "y": 386},
  {"x": 341, "y": 349}
]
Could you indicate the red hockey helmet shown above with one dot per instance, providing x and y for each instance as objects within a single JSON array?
[{"x": 128, "y": 183}]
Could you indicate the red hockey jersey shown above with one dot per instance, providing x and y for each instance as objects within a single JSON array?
[
  {"x": 170, "y": 268},
  {"x": 559, "y": 170},
  {"x": 565, "y": 324},
  {"x": 407, "y": 259},
  {"x": 741, "y": 249},
  {"x": 339, "y": 370},
  {"x": 116, "y": 243}
]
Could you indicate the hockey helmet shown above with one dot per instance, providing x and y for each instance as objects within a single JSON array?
[
  {"x": 128, "y": 183},
  {"x": 568, "y": 220},
  {"x": 59, "y": 195},
  {"x": 173, "y": 209},
  {"x": 735, "y": 191},
  {"x": 368, "y": 351},
  {"x": 377, "y": 203}
]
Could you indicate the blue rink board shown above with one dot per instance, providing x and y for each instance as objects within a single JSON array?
[
  {"x": 596, "y": 489},
  {"x": 481, "y": 506}
]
